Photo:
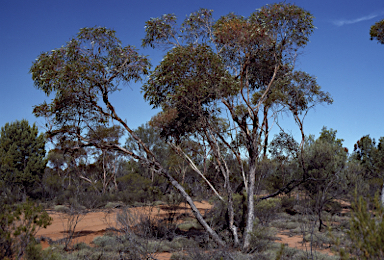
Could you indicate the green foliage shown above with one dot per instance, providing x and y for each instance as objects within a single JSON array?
[
  {"x": 22, "y": 156},
  {"x": 81, "y": 75},
  {"x": 62, "y": 209},
  {"x": 366, "y": 231},
  {"x": 218, "y": 215},
  {"x": 261, "y": 237},
  {"x": 370, "y": 156},
  {"x": 104, "y": 241},
  {"x": 324, "y": 161},
  {"x": 377, "y": 32},
  {"x": 365, "y": 152},
  {"x": 18, "y": 225},
  {"x": 295, "y": 21},
  {"x": 266, "y": 210},
  {"x": 182, "y": 86},
  {"x": 136, "y": 188}
]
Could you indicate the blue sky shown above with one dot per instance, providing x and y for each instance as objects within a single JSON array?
[{"x": 346, "y": 63}]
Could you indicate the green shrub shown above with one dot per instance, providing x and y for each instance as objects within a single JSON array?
[
  {"x": 261, "y": 237},
  {"x": 80, "y": 246},
  {"x": 200, "y": 254},
  {"x": 285, "y": 224},
  {"x": 266, "y": 210},
  {"x": 113, "y": 205},
  {"x": 366, "y": 231},
  {"x": 104, "y": 241},
  {"x": 288, "y": 202},
  {"x": 190, "y": 224},
  {"x": 18, "y": 226},
  {"x": 61, "y": 209},
  {"x": 136, "y": 188}
]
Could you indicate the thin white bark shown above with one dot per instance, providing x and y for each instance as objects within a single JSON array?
[{"x": 194, "y": 167}]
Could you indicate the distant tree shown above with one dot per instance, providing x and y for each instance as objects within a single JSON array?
[
  {"x": 371, "y": 158},
  {"x": 365, "y": 152},
  {"x": 284, "y": 152},
  {"x": 22, "y": 156},
  {"x": 107, "y": 160},
  {"x": 325, "y": 159},
  {"x": 377, "y": 32},
  {"x": 152, "y": 139}
]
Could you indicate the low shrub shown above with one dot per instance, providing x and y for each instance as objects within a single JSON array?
[
  {"x": 266, "y": 210},
  {"x": 113, "y": 205},
  {"x": 104, "y": 241},
  {"x": 285, "y": 224},
  {"x": 200, "y": 254},
  {"x": 81, "y": 246},
  {"x": 190, "y": 224},
  {"x": 366, "y": 233},
  {"x": 261, "y": 237},
  {"x": 61, "y": 209}
]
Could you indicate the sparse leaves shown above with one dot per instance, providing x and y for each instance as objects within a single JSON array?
[{"x": 377, "y": 31}]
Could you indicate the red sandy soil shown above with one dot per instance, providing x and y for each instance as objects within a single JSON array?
[
  {"x": 296, "y": 242},
  {"x": 95, "y": 224}
]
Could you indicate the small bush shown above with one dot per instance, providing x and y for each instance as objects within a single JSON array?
[
  {"x": 200, "y": 254},
  {"x": 190, "y": 224},
  {"x": 366, "y": 231},
  {"x": 288, "y": 202},
  {"x": 61, "y": 209},
  {"x": 266, "y": 210},
  {"x": 104, "y": 241},
  {"x": 261, "y": 237},
  {"x": 113, "y": 205},
  {"x": 80, "y": 246},
  {"x": 18, "y": 226},
  {"x": 285, "y": 224}
]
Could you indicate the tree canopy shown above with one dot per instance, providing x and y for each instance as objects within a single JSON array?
[{"x": 239, "y": 66}]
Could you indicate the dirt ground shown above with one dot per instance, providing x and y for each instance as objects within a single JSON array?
[{"x": 94, "y": 224}]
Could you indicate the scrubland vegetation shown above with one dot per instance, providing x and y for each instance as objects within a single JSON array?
[{"x": 221, "y": 86}]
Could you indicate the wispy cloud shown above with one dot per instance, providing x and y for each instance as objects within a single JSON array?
[{"x": 344, "y": 22}]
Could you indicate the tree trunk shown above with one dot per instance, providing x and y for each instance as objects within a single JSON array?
[
  {"x": 195, "y": 211},
  {"x": 382, "y": 195},
  {"x": 250, "y": 202}
]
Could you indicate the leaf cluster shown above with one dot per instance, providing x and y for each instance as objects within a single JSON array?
[
  {"x": 188, "y": 80},
  {"x": 377, "y": 31}
]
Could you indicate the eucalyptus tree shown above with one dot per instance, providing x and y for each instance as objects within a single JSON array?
[
  {"x": 81, "y": 76},
  {"x": 235, "y": 66}
]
